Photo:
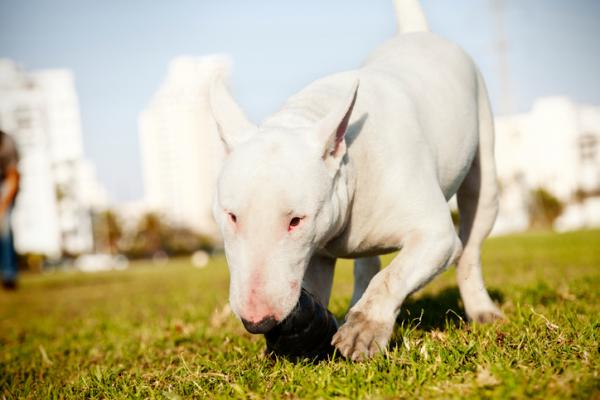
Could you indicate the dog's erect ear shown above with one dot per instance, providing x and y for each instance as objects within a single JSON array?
[
  {"x": 331, "y": 130},
  {"x": 234, "y": 128}
]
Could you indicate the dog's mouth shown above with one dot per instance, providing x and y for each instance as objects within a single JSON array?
[
  {"x": 305, "y": 332},
  {"x": 263, "y": 326},
  {"x": 297, "y": 315},
  {"x": 277, "y": 317}
]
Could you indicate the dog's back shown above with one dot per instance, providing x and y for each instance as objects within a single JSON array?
[{"x": 401, "y": 82}]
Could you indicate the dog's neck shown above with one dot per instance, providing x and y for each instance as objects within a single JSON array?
[{"x": 344, "y": 184}]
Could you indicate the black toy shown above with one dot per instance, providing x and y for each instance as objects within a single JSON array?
[{"x": 305, "y": 333}]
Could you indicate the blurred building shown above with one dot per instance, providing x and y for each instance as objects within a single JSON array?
[
  {"x": 555, "y": 146},
  {"x": 58, "y": 186},
  {"x": 180, "y": 146}
]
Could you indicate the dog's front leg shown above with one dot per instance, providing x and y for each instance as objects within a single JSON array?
[
  {"x": 319, "y": 277},
  {"x": 364, "y": 270},
  {"x": 369, "y": 323}
]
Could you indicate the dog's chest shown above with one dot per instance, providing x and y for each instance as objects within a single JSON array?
[{"x": 353, "y": 243}]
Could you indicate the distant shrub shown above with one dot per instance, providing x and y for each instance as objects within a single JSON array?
[
  {"x": 544, "y": 209},
  {"x": 32, "y": 262},
  {"x": 154, "y": 235}
]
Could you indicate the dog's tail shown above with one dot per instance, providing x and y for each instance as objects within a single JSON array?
[{"x": 410, "y": 16}]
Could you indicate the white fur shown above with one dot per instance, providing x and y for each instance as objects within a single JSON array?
[{"x": 419, "y": 131}]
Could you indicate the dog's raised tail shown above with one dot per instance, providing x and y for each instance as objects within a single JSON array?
[{"x": 410, "y": 16}]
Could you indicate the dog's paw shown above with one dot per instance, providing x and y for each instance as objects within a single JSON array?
[
  {"x": 486, "y": 316},
  {"x": 360, "y": 338}
]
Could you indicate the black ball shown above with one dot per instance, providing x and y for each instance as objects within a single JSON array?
[{"x": 305, "y": 333}]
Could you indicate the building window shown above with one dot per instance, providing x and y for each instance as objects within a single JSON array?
[
  {"x": 23, "y": 118},
  {"x": 588, "y": 147}
]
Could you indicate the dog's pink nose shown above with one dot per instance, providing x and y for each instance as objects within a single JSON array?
[{"x": 262, "y": 326}]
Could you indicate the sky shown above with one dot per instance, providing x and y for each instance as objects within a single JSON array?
[{"x": 119, "y": 51}]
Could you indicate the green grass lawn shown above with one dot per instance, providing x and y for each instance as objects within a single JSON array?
[{"x": 163, "y": 332}]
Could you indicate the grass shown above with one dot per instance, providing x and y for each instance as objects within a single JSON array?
[{"x": 163, "y": 332}]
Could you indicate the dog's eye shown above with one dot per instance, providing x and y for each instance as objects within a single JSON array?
[
  {"x": 294, "y": 222},
  {"x": 232, "y": 217}
]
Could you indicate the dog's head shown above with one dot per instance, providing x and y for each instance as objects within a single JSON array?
[{"x": 274, "y": 203}]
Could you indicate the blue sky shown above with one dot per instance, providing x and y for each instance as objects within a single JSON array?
[{"x": 119, "y": 51}]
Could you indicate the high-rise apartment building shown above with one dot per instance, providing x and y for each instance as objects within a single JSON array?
[
  {"x": 41, "y": 111},
  {"x": 180, "y": 146}
]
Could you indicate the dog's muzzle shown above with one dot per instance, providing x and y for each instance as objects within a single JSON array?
[{"x": 263, "y": 326}]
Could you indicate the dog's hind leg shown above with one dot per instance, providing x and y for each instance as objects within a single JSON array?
[
  {"x": 364, "y": 270},
  {"x": 478, "y": 205},
  {"x": 318, "y": 277}
]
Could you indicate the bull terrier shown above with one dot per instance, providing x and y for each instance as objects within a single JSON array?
[{"x": 356, "y": 165}]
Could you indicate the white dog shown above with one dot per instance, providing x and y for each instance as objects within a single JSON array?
[{"x": 357, "y": 170}]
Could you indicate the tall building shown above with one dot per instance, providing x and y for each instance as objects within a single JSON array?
[
  {"x": 180, "y": 146},
  {"x": 41, "y": 111},
  {"x": 555, "y": 146}
]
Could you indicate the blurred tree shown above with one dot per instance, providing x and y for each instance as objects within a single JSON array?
[
  {"x": 154, "y": 235},
  {"x": 153, "y": 232},
  {"x": 33, "y": 262},
  {"x": 544, "y": 208},
  {"x": 107, "y": 231},
  {"x": 183, "y": 241}
]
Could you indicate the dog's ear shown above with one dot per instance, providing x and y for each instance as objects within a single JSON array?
[
  {"x": 234, "y": 128},
  {"x": 331, "y": 130}
]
